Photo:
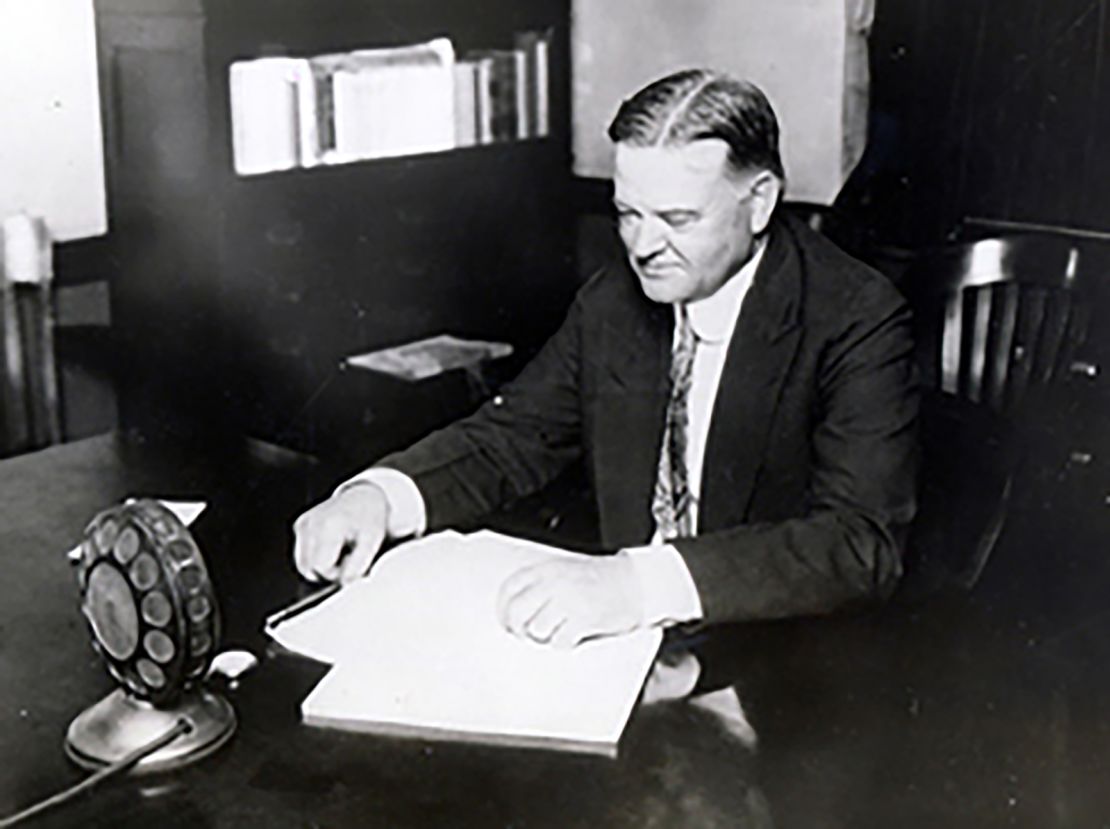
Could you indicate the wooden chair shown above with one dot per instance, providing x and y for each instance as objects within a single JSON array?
[
  {"x": 999, "y": 319},
  {"x": 30, "y": 414},
  {"x": 998, "y": 323}
]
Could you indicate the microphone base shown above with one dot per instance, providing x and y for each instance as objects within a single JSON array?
[{"x": 119, "y": 724}]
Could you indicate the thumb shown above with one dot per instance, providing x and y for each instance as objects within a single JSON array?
[{"x": 356, "y": 563}]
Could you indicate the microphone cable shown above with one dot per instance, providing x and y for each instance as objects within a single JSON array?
[{"x": 99, "y": 776}]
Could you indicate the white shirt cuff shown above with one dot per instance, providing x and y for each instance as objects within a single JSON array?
[
  {"x": 407, "y": 514},
  {"x": 666, "y": 585}
]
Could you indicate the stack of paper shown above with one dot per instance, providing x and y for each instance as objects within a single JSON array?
[{"x": 418, "y": 650}]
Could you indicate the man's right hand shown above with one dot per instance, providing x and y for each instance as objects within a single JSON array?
[{"x": 338, "y": 539}]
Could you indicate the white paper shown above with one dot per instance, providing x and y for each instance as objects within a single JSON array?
[
  {"x": 186, "y": 511},
  {"x": 418, "y": 648}
]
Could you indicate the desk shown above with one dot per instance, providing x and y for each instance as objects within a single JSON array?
[{"x": 952, "y": 717}]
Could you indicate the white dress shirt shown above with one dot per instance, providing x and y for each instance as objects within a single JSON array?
[{"x": 667, "y": 587}]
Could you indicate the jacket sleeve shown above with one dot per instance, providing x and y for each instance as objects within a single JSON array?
[
  {"x": 511, "y": 446},
  {"x": 845, "y": 546}
]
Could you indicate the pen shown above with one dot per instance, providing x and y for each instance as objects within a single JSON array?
[{"x": 309, "y": 601}]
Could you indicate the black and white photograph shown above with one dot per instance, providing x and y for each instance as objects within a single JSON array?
[{"x": 541, "y": 414}]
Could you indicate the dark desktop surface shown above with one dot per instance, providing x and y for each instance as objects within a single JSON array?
[{"x": 983, "y": 711}]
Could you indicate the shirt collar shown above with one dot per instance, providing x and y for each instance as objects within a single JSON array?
[{"x": 713, "y": 317}]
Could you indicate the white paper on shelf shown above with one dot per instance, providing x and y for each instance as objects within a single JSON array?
[{"x": 418, "y": 650}]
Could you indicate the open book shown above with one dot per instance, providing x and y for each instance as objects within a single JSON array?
[{"x": 418, "y": 650}]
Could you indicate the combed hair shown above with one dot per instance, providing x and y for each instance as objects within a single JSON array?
[{"x": 696, "y": 104}]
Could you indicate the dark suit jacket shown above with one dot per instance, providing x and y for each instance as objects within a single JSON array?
[{"x": 808, "y": 481}]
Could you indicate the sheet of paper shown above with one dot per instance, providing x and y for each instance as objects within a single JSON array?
[
  {"x": 418, "y": 649},
  {"x": 186, "y": 511}
]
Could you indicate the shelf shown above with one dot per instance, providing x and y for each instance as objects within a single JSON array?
[
  {"x": 500, "y": 154},
  {"x": 239, "y": 295}
]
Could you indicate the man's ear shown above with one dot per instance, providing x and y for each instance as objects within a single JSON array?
[{"x": 766, "y": 188}]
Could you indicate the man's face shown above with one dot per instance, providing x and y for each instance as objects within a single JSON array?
[{"x": 687, "y": 222}]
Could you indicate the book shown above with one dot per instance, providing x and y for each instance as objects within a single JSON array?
[
  {"x": 417, "y": 650},
  {"x": 466, "y": 103},
  {"x": 265, "y": 114},
  {"x": 506, "y": 85},
  {"x": 483, "y": 98},
  {"x": 394, "y": 101},
  {"x": 536, "y": 46},
  {"x": 521, "y": 87},
  {"x": 317, "y": 112},
  {"x": 385, "y": 102}
]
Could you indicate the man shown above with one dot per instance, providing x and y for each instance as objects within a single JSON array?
[{"x": 740, "y": 390}]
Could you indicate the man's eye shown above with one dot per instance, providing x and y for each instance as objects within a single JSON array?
[
  {"x": 679, "y": 221},
  {"x": 627, "y": 218}
]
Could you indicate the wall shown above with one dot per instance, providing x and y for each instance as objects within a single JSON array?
[
  {"x": 51, "y": 164},
  {"x": 51, "y": 159},
  {"x": 988, "y": 109},
  {"x": 796, "y": 50}
]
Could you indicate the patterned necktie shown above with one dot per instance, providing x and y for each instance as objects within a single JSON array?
[{"x": 671, "y": 503}]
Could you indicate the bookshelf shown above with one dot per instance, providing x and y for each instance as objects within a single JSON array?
[{"x": 237, "y": 297}]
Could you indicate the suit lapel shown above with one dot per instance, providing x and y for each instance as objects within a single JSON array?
[
  {"x": 629, "y": 411},
  {"x": 758, "y": 359}
]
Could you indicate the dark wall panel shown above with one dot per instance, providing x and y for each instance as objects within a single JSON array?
[{"x": 989, "y": 108}]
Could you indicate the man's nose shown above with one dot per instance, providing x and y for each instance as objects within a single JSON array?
[{"x": 648, "y": 239}]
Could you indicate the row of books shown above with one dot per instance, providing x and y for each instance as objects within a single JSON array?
[{"x": 377, "y": 103}]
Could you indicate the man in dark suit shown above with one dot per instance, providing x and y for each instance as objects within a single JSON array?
[{"x": 740, "y": 390}]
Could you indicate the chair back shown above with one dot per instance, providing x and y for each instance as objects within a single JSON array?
[
  {"x": 997, "y": 322},
  {"x": 30, "y": 417},
  {"x": 999, "y": 319}
]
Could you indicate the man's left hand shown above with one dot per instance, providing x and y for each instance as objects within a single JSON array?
[{"x": 565, "y": 602}]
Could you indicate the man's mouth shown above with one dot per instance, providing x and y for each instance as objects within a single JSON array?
[{"x": 659, "y": 270}]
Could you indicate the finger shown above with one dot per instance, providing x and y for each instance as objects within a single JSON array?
[
  {"x": 522, "y": 609},
  {"x": 515, "y": 585},
  {"x": 361, "y": 556},
  {"x": 300, "y": 543},
  {"x": 304, "y": 532},
  {"x": 545, "y": 623},
  {"x": 671, "y": 678},
  {"x": 569, "y": 635},
  {"x": 325, "y": 546}
]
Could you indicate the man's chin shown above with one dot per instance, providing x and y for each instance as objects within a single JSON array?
[{"x": 660, "y": 290}]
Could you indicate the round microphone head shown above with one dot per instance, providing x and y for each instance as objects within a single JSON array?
[{"x": 148, "y": 599}]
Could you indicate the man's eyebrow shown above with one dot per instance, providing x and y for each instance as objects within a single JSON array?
[{"x": 667, "y": 213}]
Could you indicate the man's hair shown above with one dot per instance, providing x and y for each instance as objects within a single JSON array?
[{"x": 696, "y": 104}]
